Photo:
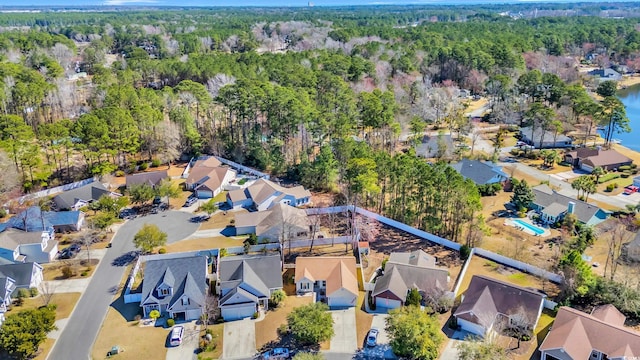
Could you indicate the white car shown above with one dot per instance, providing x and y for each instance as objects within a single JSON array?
[
  {"x": 372, "y": 337},
  {"x": 176, "y": 336}
]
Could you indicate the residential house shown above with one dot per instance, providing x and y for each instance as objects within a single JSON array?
[
  {"x": 245, "y": 284},
  {"x": 7, "y": 286},
  {"x": 263, "y": 194},
  {"x": 605, "y": 74},
  {"x": 549, "y": 139},
  {"x": 587, "y": 159},
  {"x": 280, "y": 222},
  {"x": 438, "y": 146},
  {"x": 35, "y": 219},
  {"x": 601, "y": 335},
  {"x": 82, "y": 196},
  {"x": 25, "y": 275},
  {"x": 553, "y": 207},
  {"x": 151, "y": 178},
  {"x": 331, "y": 278},
  {"x": 22, "y": 246},
  {"x": 207, "y": 178},
  {"x": 480, "y": 172},
  {"x": 488, "y": 302},
  {"x": 406, "y": 271},
  {"x": 177, "y": 287}
]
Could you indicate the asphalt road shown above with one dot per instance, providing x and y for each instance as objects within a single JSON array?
[{"x": 81, "y": 331}]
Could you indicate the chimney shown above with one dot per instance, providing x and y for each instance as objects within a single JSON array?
[{"x": 571, "y": 207}]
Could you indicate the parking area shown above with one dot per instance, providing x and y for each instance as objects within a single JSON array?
[
  {"x": 239, "y": 340},
  {"x": 345, "y": 339},
  {"x": 189, "y": 344}
]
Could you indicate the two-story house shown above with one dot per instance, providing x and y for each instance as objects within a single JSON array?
[
  {"x": 177, "y": 287},
  {"x": 21, "y": 246},
  {"x": 7, "y": 286}
]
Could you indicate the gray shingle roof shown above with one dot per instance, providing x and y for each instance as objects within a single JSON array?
[
  {"x": 89, "y": 192},
  {"x": 486, "y": 297},
  {"x": 34, "y": 219},
  {"x": 479, "y": 172},
  {"x": 545, "y": 197},
  {"x": 429, "y": 147},
  {"x": 261, "y": 273},
  {"x": 185, "y": 275},
  {"x": 151, "y": 178},
  {"x": 417, "y": 257},
  {"x": 21, "y": 273}
]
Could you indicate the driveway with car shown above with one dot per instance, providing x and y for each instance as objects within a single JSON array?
[
  {"x": 382, "y": 350},
  {"x": 190, "y": 339},
  {"x": 239, "y": 339},
  {"x": 78, "y": 337},
  {"x": 345, "y": 339}
]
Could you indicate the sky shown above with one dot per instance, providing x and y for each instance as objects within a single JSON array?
[{"x": 71, "y": 3}]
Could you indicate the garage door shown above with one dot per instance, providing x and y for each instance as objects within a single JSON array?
[
  {"x": 193, "y": 314},
  {"x": 342, "y": 299},
  {"x": 471, "y": 327},
  {"x": 237, "y": 313},
  {"x": 387, "y": 303},
  {"x": 586, "y": 168}
]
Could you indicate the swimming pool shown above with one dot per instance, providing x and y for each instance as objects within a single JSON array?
[{"x": 535, "y": 229}]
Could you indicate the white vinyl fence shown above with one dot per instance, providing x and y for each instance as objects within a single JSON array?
[{"x": 55, "y": 190}]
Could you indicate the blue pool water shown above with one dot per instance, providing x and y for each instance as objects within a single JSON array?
[{"x": 535, "y": 229}]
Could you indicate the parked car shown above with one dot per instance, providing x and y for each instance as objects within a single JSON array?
[
  {"x": 631, "y": 189},
  {"x": 372, "y": 337},
  {"x": 176, "y": 336},
  {"x": 276, "y": 354},
  {"x": 67, "y": 254},
  {"x": 75, "y": 248},
  {"x": 190, "y": 201}
]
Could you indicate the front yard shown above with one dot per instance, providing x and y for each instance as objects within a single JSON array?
[
  {"x": 121, "y": 328},
  {"x": 267, "y": 329},
  {"x": 78, "y": 268}
]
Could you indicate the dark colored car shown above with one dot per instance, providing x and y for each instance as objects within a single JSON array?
[
  {"x": 75, "y": 248},
  {"x": 67, "y": 254}
]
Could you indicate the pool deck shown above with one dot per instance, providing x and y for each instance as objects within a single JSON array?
[{"x": 511, "y": 222}]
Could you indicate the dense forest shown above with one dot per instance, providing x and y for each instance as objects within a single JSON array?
[{"x": 333, "y": 98}]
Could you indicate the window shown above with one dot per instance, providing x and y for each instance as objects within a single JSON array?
[
  {"x": 164, "y": 291},
  {"x": 185, "y": 301}
]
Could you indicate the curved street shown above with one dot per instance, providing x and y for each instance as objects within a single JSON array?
[{"x": 85, "y": 322}]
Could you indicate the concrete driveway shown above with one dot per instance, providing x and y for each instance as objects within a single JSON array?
[
  {"x": 78, "y": 336},
  {"x": 189, "y": 344},
  {"x": 345, "y": 339},
  {"x": 382, "y": 350},
  {"x": 239, "y": 339}
]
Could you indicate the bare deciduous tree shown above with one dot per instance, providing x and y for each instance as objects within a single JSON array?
[
  {"x": 616, "y": 235},
  {"x": 47, "y": 289}
]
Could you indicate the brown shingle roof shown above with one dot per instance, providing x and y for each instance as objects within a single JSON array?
[
  {"x": 578, "y": 333},
  {"x": 208, "y": 162},
  {"x": 598, "y": 157},
  {"x": 338, "y": 271},
  {"x": 279, "y": 214},
  {"x": 215, "y": 178}
]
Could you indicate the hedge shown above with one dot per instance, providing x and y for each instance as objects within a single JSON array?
[{"x": 608, "y": 177}]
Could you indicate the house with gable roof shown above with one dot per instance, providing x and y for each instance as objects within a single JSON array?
[
  {"x": 263, "y": 194},
  {"x": 177, "y": 287},
  {"x": 587, "y": 159},
  {"x": 79, "y": 197},
  {"x": 331, "y": 278},
  {"x": 406, "y": 271},
  {"x": 151, "y": 178},
  {"x": 601, "y": 335},
  {"x": 488, "y": 301},
  {"x": 245, "y": 284},
  {"x": 207, "y": 177},
  {"x": 7, "y": 286},
  {"x": 279, "y": 221},
  {"x": 480, "y": 172},
  {"x": 553, "y": 207}
]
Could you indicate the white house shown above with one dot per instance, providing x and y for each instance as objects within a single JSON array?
[
  {"x": 263, "y": 194},
  {"x": 21, "y": 246},
  {"x": 331, "y": 278}
]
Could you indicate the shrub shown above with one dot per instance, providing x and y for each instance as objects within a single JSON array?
[
  {"x": 465, "y": 251},
  {"x": 22, "y": 293},
  {"x": 242, "y": 181},
  {"x": 170, "y": 322},
  {"x": 624, "y": 168},
  {"x": 608, "y": 177},
  {"x": 67, "y": 272},
  {"x": 84, "y": 273},
  {"x": 255, "y": 315},
  {"x": 162, "y": 251},
  {"x": 515, "y": 152},
  {"x": 610, "y": 187},
  {"x": 119, "y": 173},
  {"x": 3, "y": 212},
  {"x": 33, "y": 292},
  {"x": 625, "y": 175},
  {"x": 143, "y": 166},
  {"x": 155, "y": 163}
]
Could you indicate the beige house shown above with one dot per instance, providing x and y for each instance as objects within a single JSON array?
[
  {"x": 207, "y": 178},
  {"x": 263, "y": 194},
  {"x": 281, "y": 222},
  {"x": 601, "y": 335},
  {"x": 332, "y": 278}
]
